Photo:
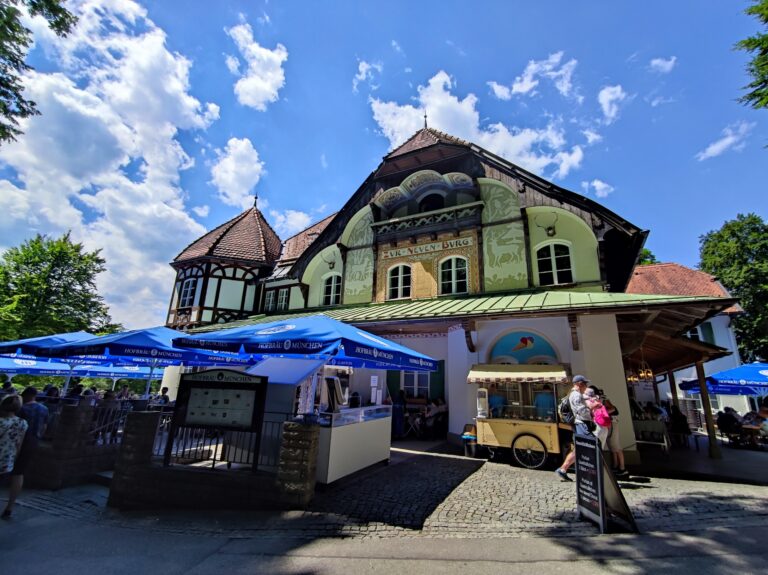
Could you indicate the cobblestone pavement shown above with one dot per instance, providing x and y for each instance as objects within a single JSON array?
[{"x": 439, "y": 496}]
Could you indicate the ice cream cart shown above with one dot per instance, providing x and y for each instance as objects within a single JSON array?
[{"x": 517, "y": 409}]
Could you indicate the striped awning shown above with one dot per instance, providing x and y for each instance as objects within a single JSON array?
[{"x": 485, "y": 373}]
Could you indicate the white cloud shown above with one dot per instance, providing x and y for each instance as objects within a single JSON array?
[
  {"x": 323, "y": 161},
  {"x": 602, "y": 190},
  {"x": 264, "y": 76},
  {"x": 233, "y": 64},
  {"x": 365, "y": 72},
  {"x": 662, "y": 65},
  {"x": 500, "y": 91},
  {"x": 591, "y": 136},
  {"x": 264, "y": 19},
  {"x": 550, "y": 68},
  {"x": 610, "y": 97},
  {"x": 536, "y": 149},
  {"x": 103, "y": 160},
  {"x": 659, "y": 101},
  {"x": 202, "y": 211},
  {"x": 733, "y": 138},
  {"x": 236, "y": 172},
  {"x": 290, "y": 222},
  {"x": 396, "y": 47}
]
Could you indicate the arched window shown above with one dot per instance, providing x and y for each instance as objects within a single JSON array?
[
  {"x": 554, "y": 261},
  {"x": 431, "y": 202},
  {"x": 332, "y": 290},
  {"x": 188, "y": 288},
  {"x": 453, "y": 276},
  {"x": 399, "y": 282}
]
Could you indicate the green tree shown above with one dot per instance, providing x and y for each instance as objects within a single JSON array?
[
  {"x": 646, "y": 258},
  {"x": 15, "y": 39},
  {"x": 757, "y": 97},
  {"x": 737, "y": 255},
  {"x": 49, "y": 286}
]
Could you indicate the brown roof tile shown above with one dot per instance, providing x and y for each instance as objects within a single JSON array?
[
  {"x": 676, "y": 279},
  {"x": 247, "y": 236},
  {"x": 294, "y": 246},
  {"x": 424, "y": 138}
]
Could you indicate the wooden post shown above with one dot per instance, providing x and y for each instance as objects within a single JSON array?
[
  {"x": 656, "y": 391},
  {"x": 714, "y": 448},
  {"x": 673, "y": 388}
]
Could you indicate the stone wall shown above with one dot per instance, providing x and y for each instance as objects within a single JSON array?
[
  {"x": 140, "y": 482},
  {"x": 72, "y": 457}
]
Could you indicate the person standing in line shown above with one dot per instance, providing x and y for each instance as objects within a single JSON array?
[
  {"x": 36, "y": 416},
  {"x": 614, "y": 441},
  {"x": 12, "y": 431},
  {"x": 581, "y": 424}
]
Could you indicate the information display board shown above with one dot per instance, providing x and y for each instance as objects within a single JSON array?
[{"x": 598, "y": 495}]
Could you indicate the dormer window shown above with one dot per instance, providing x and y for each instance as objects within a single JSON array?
[
  {"x": 399, "y": 283},
  {"x": 554, "y": 262},
  {"x": 188, "y": 288}
]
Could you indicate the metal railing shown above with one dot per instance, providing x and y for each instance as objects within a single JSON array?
[{"x": 222, "y": 448}]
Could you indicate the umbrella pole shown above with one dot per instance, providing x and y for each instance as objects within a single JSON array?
[
  {"x": 149, "y": 380},
  {"x": 66, "y": 381},
  {"x": 714, "y": 448}
]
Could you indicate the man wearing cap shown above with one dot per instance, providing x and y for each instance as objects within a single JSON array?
[{"x": 582, "y": 421}]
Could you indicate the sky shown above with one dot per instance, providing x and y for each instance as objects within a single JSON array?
[{"x": 162, "y": 119}]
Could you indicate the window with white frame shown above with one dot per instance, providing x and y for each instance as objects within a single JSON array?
[
  {"x": 416, "y": 384},
  {"x": 269, "y": 300},
  {"x": 453, "y": 276},
  {"x": 703, "y": 332},
  {"x": 399, "y": 282},
  {"x": 332, "y": 290},
  {"x": 187, "y": 297},
  {"x": 554, "y": 262},
  {"x": 282, "y": 299}
]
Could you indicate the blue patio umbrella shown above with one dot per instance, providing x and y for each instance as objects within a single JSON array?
[
  {"x": 149, "y": 347},
  {"x": 313, "y": 336},
  {"x": 32, "y": 345},
  {"x": 26, "y": 366},
  {"x": 747, "y": 379}
]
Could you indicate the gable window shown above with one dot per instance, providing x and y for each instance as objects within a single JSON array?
[
  {"x": 399, "y": 282},
  {"x": 187, "y": 298},
  {"x": 269, "y": 301},
  {"x": 703, "y": 332},
  {"x": 282, "y": 299},
  {"x": 431, "y": 203},
  {"x": 453, "y": 276},
  {"x": 554, "y": 261},
  {"x": 332, "y": 290}
]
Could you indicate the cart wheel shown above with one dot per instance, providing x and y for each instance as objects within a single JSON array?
[{"x": 529, "y": 451}]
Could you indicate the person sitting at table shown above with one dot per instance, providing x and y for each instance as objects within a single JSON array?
[
  {"x": 678, "y": 426},
  {"x": 495, "y": 401},
  {"x": 727, "y": 422}
]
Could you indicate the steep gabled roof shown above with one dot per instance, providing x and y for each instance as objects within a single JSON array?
[
  {"x": 677, "y": 279},
  {"x": 424, "y": 138},
  {"x": 294, "y": 246},
  {"x": 247, "y": 237}
]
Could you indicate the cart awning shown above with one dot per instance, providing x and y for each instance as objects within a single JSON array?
[{"x": 495, "y": 373}]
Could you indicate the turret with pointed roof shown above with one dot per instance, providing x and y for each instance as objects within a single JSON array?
[{"x": 217, "y": 275}]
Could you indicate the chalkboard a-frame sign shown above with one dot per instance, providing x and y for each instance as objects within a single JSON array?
[{"x": 598, "y": 496}]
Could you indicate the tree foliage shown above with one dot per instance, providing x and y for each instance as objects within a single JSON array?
[
  {"x": 737, "y": 254},
  {"x": 49, "y": 286},
  {"x": 15, "y": 39},
  {"x": 646, "y": 258},
  {"x": 757, "y": 45}
]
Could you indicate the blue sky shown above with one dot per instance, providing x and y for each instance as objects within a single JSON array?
[{"x": 161, "y": 119}]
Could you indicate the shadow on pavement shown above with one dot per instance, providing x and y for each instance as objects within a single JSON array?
[{"x": 403, "y": 495}]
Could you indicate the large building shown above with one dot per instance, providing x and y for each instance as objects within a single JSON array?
[{"x": 460, "y": 254}]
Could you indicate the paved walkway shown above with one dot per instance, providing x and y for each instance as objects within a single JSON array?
[{"x": 431, "y": 496}]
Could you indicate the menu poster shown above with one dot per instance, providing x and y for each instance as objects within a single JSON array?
[
  {"x": 589, "y": 489},
  {"x": 220, "y": 407}
]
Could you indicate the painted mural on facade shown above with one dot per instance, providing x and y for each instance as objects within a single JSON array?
[{"x": 523, "y": 347}]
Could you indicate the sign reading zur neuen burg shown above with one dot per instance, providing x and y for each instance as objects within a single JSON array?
[{"x": 421, "y": 249}]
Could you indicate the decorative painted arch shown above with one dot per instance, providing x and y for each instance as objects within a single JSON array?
[{"x": 523, "y": 346}]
